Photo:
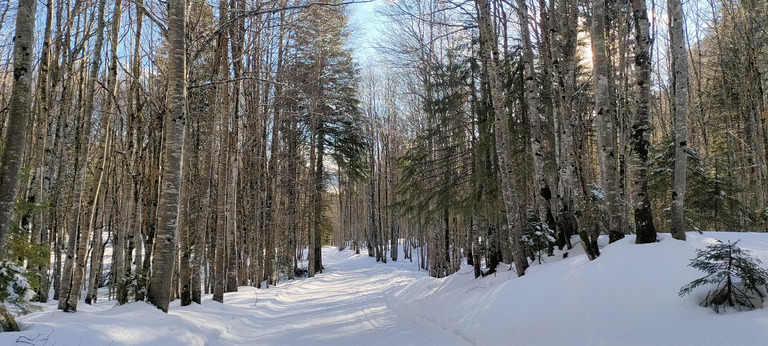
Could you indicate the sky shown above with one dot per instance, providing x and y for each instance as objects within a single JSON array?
[{"x": 363, "y": 25}]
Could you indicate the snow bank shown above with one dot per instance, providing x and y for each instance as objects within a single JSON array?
[{"x": 628, "y": 296}]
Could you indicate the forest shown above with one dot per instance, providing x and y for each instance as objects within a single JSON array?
[{"x": 170, "y": 149}]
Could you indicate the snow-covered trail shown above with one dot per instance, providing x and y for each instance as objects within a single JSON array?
[
  {"x": 628, "y": 296},
  {"x": 351, "y": 303}
]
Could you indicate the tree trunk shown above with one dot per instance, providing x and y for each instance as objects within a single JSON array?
[
  {"x": 205, "y": 224},
  {"x": 222, "y": 107},
  {"x": 185, "y": 226},
  {"x": 563, "y": 229},
  {"x": 61, "y": 148},
  {"x": 318, "y": 205},
  {"x": 503, "y": 151},
  {"x": 680, "y": 84},
  {"x": 606, "y": 128},
  {"x": 532, "y": 99},
  {"x": 237, "y": 32},
  {"x": 74, "y": 270},
  {"x": 18, "y": 114},
  {"x": 641, "y": 127},
  {"x": 43, "y": 233},
  {"x": 103, "y": 151},
  {"x": 159, "y": 293}
]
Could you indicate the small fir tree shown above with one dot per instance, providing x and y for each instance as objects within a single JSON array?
[
  {"x": 736, "y": 275},
  {"x": 538, "y": 238}
]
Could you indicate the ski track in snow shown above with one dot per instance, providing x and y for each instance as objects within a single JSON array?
[{"x": 348, "y": 304}]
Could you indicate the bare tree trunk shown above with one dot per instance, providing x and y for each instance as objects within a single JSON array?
[
  {"x": 564, "y": 230},
  {"x": 203, "y": 192},
  {"x": 222, "y": 105},
  {"x": 61, "y": 146},
  {"x": 543, "y": 192},
  {"x": 606, "y": 128},
  {"x": 76, "y": 272},
  {"x": 373, "y": 224},
  {"x": 205, "y": 224},
  {"x": 293, "y": 195},
  {"x": 641, "y": 127},
  {"x": 271, "y": 178},
  {"x": 680, "y": 80},
  {"x": 317, "y": 197},
  {"x": 103, "y": 151},
  {"x": 42, "y": 232},
  {"x": 236, "y": 32},
  {"x": 159, "y": 293},
  {"x": 490, "y": 53},
  {"x": 18, "y": 114},
  {"x": 185, "y": 225}
]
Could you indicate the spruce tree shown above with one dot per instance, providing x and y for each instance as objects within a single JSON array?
[{"x": 736, "y": 275}]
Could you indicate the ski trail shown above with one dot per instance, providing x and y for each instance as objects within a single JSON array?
[
  {"x": 353, "y": 302},
  {"x": 350, "y": 303}
]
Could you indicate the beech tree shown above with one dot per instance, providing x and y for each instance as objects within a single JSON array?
[
  {"x": 605, "y": 114},
  {"x": 18, "y": 114},
  {"x": 159, "y": 293},
  {"x": 680, "y": 102},
  {"x": 641, "y": 127}
]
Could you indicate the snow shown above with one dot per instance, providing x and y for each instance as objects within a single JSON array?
[
  {"x": 628, "y": 296},
  {"x": 598, "y": 192}
]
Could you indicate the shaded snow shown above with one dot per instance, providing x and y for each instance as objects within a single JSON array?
[{"x": 628, "y": 296}]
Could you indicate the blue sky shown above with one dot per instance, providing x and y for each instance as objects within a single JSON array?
[{"x": 363, "y": 23}]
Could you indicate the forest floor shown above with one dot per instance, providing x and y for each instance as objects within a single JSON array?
[{"x": 628, "y": 296}]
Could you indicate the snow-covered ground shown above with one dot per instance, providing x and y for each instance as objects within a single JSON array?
[{"x": 628, "y": 296}]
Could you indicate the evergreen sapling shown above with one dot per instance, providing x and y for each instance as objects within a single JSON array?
[{"x": 735, "y": 274}]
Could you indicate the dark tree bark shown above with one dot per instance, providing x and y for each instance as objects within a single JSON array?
[{"x": 641, "y": 127}]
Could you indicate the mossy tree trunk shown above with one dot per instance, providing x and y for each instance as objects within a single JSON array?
[{"x": 18, "y": 114}]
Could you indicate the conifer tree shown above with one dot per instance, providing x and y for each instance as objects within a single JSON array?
[{"x": 735, "y": 273}]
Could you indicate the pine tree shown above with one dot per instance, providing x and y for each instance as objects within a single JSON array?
[
  {"x": 323, "y": 84},
  {"x": 738, "y": 279}
]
